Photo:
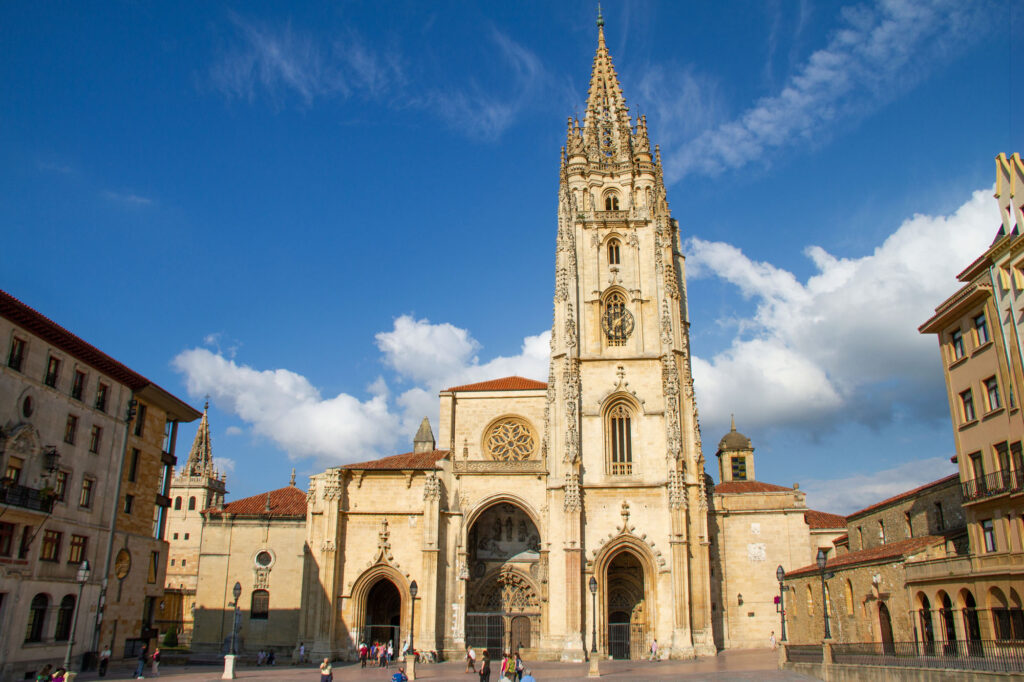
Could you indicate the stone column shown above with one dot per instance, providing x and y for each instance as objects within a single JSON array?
[{"x": 573, "y": 647}]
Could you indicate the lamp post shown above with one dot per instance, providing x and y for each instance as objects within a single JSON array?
[
  {"x": 81, "y": 577},
  {"x": 229, "y": 659},
  {"x": 595, "y": 670},
  {"x": 822, "y": 560},
  {"x": 780, "y": 575},
  {"x": 410, "y": 658}
]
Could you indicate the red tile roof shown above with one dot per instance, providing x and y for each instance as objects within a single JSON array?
[
  {"x": 503, "y": 384},
  {"x": 32, "y": 320},
  {"x": 408, "y": 460},
  {"x": 750, "y": 487},
  {"x": 287, "y": 502},
  {"x": 893, "y": 550},
  {"x": 902, "y": 496},
  {"x": 819, "y": 519}
]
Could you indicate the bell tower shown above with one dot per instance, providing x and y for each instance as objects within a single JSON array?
[{"x": 622, "y": 423}]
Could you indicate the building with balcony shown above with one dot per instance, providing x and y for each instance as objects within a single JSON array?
[
  {"x": 980, "y": 340},
  {"x": 86, "y": 449}
]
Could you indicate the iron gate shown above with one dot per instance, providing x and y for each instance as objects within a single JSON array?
[
  {"x": 486, "y": 631},
  {"x": 382, "y": 634},
  {"x": 627, "y": 641}
]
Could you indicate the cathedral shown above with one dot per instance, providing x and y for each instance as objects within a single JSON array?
[{"x": 553, "y": 519}]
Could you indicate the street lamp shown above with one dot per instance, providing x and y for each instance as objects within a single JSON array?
[
  {"x": 229, "y": 659},
  {"x": 595, "y": 670},
  {"x": 81, "y": 577},
  {"x": 410, "y": 659},
  {"x": 822, "y": 560},
  {"x": 780, "y": 575}
]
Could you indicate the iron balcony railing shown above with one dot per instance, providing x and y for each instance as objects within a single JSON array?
[
  {"x": 28, "y": 498},
  {"x": 804, "y": 653},
  {"x": 989, "y": 485},
  {"x": 988, "y": 655}
]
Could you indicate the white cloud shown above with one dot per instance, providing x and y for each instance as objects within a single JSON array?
[
  {"x": 287, "y": 409},
  {"x": 225, "y": 465},
  {"x": 844, "y": 344},
  {"x": 127, "y": 198},
  {"x": 853, "y": 493},
  {"x": 877, "y": 54},
  {"x": 233, "y": 431}
]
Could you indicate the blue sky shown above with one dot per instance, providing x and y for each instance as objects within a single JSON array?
[{"x": 320, "y": 215}]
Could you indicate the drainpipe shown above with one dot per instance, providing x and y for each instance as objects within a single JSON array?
[{"x": 101, "y": 603}]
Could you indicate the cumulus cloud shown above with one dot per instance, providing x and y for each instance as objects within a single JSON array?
[
  {"x": 287, "y": 409},
  {"x": 224, "y": 464},
  {"x": 233, "y": 431},
  {"x": 853, "y": 493},
  {"x": 878, "y": 53},
  {"x": 844, "y": 344}
]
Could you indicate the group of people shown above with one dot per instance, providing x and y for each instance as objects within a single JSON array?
[
  {"x": 48, "y": 674},
  {"x": 327, "y": 671},
  {"x": 378, "y": 653},
  {"x": 154, "y": 662},
  {"x": 512, "y": 667},
  {"x": 266, "y": 657}
]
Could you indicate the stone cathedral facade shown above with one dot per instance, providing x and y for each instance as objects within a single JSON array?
[
  {"x": 541, "y": 487},
  {"x": 544, "y": 516}
]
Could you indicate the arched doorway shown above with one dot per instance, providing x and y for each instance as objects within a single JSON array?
[
  {"x": 972, "y": 628},
  {"x": 383, "y": 614},
  {"x": 927, "y": 633},
  {"x": 503, "y": 553},
  {"x": 885, "y": 628},
  {"x": 626, "y": 607},
  {"x": 948, "y": 626}
]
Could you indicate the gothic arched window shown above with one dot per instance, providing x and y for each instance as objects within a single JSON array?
[
  {"x": 260, "y": 606},
  {"x": 611, "y": 202},
  {"x": 177, "y": 503},
  {"x": 36, "y": 618},
  {"x": 613, "y": 252},
  {"x": 619, "y": 430},
  {"x": 64, "y": 616},
  {"x": 191, "y": 503}
]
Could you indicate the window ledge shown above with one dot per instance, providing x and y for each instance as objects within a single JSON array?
[
  {"x": 959, "y": 361},
  {"x": 967, "y": 425},
  {"x": 982, "y": 348},
  {"x": 992, "y": 413}
]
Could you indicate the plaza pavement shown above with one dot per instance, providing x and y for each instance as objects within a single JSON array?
[{"x": 727, "y": 667}]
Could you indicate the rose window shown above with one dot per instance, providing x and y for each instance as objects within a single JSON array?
[{"x": 510, "y": 440}]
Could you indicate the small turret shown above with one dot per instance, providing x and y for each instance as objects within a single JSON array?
[
  {"x": 424, "y": 439},
  {"x": 735, "y": 456}
]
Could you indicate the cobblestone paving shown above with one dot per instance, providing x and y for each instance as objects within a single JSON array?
[{"x": 728, "y": 667}]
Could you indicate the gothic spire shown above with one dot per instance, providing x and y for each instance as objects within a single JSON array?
[
  {"x": 200, "y": 457},
  {"x": 606, "y": 129}
]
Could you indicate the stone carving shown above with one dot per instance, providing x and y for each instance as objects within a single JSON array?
[
  {"x": 670, "y": 387},
  {"x": 261, "y": 580},
  {"x": 510, "y": 592},
  {"x": 327, "y": 546},
  {"x": 333, "y": 483},
  {"x": 675, "y": 488},
  {"x": 633, "y": 240},
  {"x": 573, "y": 502},
  {"x": 570, "y": 326},
  {"x": 525, "y": 466},
  {"x": 383, "y": 541},
  {"x": 510, "y": 440},
  {"x": 756, "y": 551},
  {"x": 431, "y": 487}
]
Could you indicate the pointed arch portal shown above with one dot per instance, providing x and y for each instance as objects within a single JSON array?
[
  {"x": 503, "y": 607},
  {"x": 626, "y": 608},
  {"x": 383, "y": 618}
]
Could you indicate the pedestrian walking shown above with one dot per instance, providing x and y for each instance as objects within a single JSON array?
[
  {"x": 470, "y": 660},
  {"x": 271, "y": 658},
  {"x": 154, "y": 663},
  {"x": 485, "y": 667},
  {"x": 302, "y": 652},
  {"x": 506, "y": 667},
  {"x": 771, "y": 641},
  {"x": 104, "y": 661},
  {"x": 391, "y": 652},
  {"x": 518, "y": 668},
  {"x": 326, "y": 674},
  {"x": 143, "y": 657},
  {"x": 654, "y": 650},
  {"x": 44, "y": 674},
  {"x": 362, "y": 654}
]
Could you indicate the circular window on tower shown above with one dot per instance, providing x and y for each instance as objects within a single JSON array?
[
  {"x": 510, "y": 439},
  {"x": 264, "y": 558}
]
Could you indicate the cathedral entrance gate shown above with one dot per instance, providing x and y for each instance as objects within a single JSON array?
[
  {"x": 383, "y": 615},
  {"x": 627, "y": 634},
  {"x": 503, "y": 610}
]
